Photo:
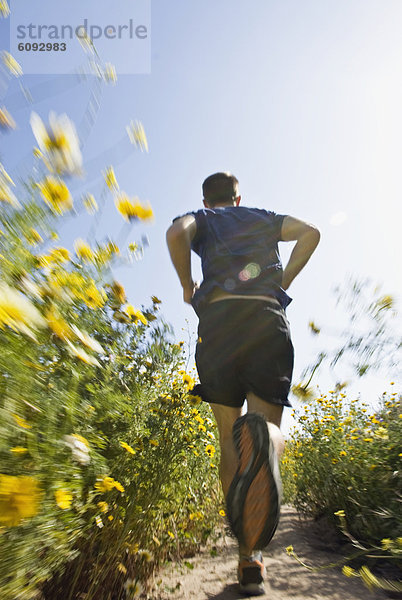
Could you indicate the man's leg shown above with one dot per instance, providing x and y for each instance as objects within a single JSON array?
[
  {"x": 225, "y": 417},
  {"x": 273, "y": 416}
]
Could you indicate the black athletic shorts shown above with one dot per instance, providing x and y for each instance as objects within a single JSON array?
[{"x": 244, "y": 346}]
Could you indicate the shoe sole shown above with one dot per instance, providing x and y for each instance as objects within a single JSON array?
[{"x": 253, "y": 500}]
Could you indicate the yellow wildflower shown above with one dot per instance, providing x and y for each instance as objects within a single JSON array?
[
  {"x": 222, "y": 513},
  {"x": 11, "y": 64},
  {"x": 339, "y": 513},
  {"x": 6, "y": 120},
  {"x": 110, "y": 179},
  {"x": 6, "y": 194},
  {"x": 170, "y": 534},
  {"x": 118, "y": 486},
  {"x": 109, "y": 73},
  {"x": 18, "y": 312},
  {"x": 63, "y": 499},
  {"x": 127, "y": 447},
  {"x": 135, "y": 314},
  {"x": 19, "y": 450},
  {"x": 132, "y": 208},
  {"x": 19, "y": 499},
  {"x": 4, "y": 8},
  {"x": 33, "y": 237},
  {"x": 92, "y": 297},
  {"x": 118, "y": 293},
  {"x": 342, "y": 453},
  {"x": 83, "y": 250},
  {"x": 59, "y": 144},
  {"x": 137, "y": 135},
  {"x": 56, "y": 194},
  {"x": 58, "y": 325},
  {"x": 105, "y": 485},
  {"x": 22, "y": 422},
  {"x": 103, "y": 506},
  {"x": 154, "y": 443},
  {"x": 90, "y": 203},
  {"x": 210, "y": 450}
]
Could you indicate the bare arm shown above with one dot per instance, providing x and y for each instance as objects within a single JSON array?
[
  {"x": 307, "y": 237},
  {"x": 178, "y": 238}
]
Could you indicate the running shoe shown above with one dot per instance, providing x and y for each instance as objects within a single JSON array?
[
  {"x": 254, "y": 496},
  {"x": 251, "y": 573}
]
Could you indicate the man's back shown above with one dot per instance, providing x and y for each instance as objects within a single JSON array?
[{"x": 238, "y": 247}]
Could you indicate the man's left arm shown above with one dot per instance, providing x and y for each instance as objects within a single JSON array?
[{"x": 179, "y": 237}]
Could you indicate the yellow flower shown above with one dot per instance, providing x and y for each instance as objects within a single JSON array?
[
  {"x": 289, "y": 550},
  {"x": 342, "y": 453},
  {"x": 18, "y": 312},
  {"x": 90, "y": 203},
  {"x": 4, "y": 8},
  {"x": 58, "y": 325},
  {"x": 154, "y": 443},
  {"x": 368, "y": 577},
  {"x": 83, "y": 250},
  {"x": 109, "y": 73},
  {"x": 59, "y": 144},
  {"x": 6, "y": 194},
  {"x": 222, "y": 513},
  {"x": 127, "y": 447},
  {"x": 6, "y": 120},
  {"x": 135, "y": 314},
  {"x": 103, "y": 506},
  {"x": 22, "y": 422},
  {"x": 339, "y": 513},
  {"x": 56, "y": 194},
  {"x": 110, "y": 179},
  {"x": 119, "y": 294},
  {"x": 92, "y": 297},
  {"x": 118, "y": 486},
  {"x": 11, "y": 64},
  {"x": 194, "y": 400},
  {"x": 132, "y": 208},
  {"x": 33, "y": 237},
  {"x": 313, "y": 328},
  {"x": 170, "y": 534},
  {"x": 105, "y": 485},
  {"x": 188, "y": 381},
  {"x": 133, "y": 588},
  {"x": 63, "y": 499},
  {"x": 19, "y": 499},
  {"x": 137, "y": 135},
  {"x": 386, "y": 543},
  {"x": 210, "y": 450},
  {"x": 19, "y": 450}
]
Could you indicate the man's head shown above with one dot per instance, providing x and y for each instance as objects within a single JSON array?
[{"x": 221, "y": 189}]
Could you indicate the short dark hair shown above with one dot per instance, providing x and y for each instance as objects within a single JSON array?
[{"x": 220, "y": 188}]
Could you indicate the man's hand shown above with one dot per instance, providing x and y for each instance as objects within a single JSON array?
[{"x": 189, "y": 291}]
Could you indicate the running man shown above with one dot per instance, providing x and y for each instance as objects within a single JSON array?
[{"x": 244, "y": 349}]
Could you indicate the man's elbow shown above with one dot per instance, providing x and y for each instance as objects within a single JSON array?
[{"x": 314, "y": 234}]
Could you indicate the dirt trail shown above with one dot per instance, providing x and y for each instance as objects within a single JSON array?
[{"x": 214, "y": 577}]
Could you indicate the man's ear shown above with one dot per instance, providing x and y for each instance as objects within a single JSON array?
[
  {"x": 237, "y": 200},
  {"x": 205, "y": 203}
]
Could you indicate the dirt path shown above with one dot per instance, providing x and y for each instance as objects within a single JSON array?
[{"x": 214, "y": 577}]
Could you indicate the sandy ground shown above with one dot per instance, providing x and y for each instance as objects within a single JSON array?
[{"x": 214, "y": 577}]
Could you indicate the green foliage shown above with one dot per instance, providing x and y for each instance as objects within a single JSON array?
[
  {"x": 107, "y": 465},
  {"x": 344, "y": 464}
]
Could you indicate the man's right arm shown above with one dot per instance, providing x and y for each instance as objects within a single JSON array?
[{"x": 307, "y": 237}]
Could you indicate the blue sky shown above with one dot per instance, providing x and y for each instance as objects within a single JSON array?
[{"x": 299, "y": 99}]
